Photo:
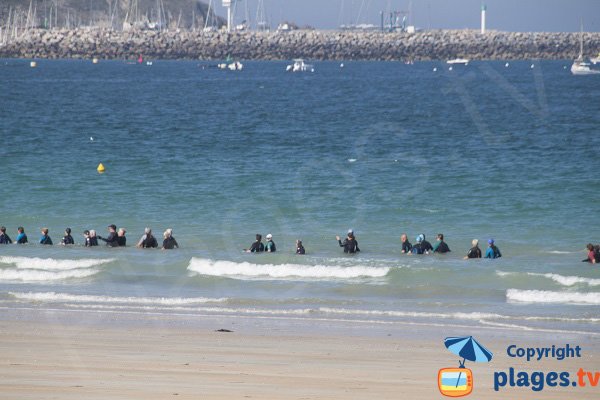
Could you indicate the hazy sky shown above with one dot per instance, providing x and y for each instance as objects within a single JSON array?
[{"x": 506, "y": 15}]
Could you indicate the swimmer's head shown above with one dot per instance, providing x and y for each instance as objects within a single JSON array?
[{"x": 474, "y": 242}]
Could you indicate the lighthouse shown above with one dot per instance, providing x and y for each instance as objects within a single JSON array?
[{"x": 483, "y": 8}]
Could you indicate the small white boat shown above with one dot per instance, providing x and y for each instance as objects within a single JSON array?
[
  {"x": 580, "y": 67},
  {"x": 595, "y": 60},
  {"x": 299, "y": 66},
  {"x": 458, "y": 61}
]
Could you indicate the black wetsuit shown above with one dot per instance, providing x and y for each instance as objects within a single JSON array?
[
  {"x": 270, "y": 246},
  {"x": 122, "y": 240},
  {"x": 170, "y": 243},
  {"x": 474, "y": 252},
  {"x": 46, "y": 240},
  {"x": 112, "y": 239},
  {"x": 350, "y": 245},
  {"x": 91, "y": 241},
  {"x": 68, "y": 240},
  {"x": 406, "y": 247},
  {"x": 442, "y": 248},
  {"x": 426, "y": 246},
  {"x": 257, "y": 247},
  {"x": 5, "y": 239},
  {"x": 149, "y": 241},
  {"x": 300, "y": 250},
  {"x": 418, "y": 249}
]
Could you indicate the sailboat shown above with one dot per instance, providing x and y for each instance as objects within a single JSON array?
[{"x": 580, "y": 67}]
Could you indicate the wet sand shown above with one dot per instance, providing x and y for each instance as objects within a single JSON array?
[{"x": 49, "y": 358}]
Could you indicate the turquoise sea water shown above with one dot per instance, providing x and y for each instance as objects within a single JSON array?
[{"x": 384, "y": 148}]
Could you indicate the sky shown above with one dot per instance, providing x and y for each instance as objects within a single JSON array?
[{"x": 503, "y": 15}]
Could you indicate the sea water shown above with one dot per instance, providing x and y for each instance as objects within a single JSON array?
[{"x": 482, "y": 151}]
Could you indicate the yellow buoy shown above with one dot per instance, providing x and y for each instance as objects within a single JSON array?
[
  {"x": 100, "y": 168},
  {"x": 33, "y": 64}
]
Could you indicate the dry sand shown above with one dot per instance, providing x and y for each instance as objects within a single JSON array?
[{"x": 51, "y": 359}]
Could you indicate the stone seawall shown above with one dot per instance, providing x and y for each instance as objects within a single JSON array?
[{"x": 315, "y": 45}]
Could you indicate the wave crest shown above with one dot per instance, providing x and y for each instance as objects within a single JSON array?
[
  {"x": 545, "y": 296},
  {"x": 249, "y": 270}
]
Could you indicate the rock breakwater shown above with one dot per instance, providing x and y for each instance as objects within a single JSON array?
[{"x": 316, "y": 45}]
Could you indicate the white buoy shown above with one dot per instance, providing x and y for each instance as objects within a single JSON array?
[
  {"x": 449, "y": 68},
  {"x": 342, "y": 65},
  {"x": 506, "y": 65},
  {"x": 91, "y": 138},
  {"x": 94, "y": 60},
  {"x": 434, "y": 69},
  {"x": 33, "y": 64},
  {"x": 532, "y": 66}
]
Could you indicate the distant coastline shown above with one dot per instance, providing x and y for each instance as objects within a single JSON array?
[{"x": 84, "y": 43}]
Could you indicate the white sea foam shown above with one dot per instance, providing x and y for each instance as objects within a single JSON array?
[
  {"x": 52, "y": 264},
  {"x": 568, "y": 280},
  {"x": 161, "y": 301},
  {"x": 503, "y": 273},
  {"x": 562, "y": 252},
  {"x": 249, "y": 270},
  {"x": 32, "y": 275},
  {"x": 413, "y": 314},
  {"x": 544, "y": 296}
]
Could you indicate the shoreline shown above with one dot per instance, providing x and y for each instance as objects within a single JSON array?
[
  {"x": 49, "y": 358},
  {"x": 88, "y": 43}
]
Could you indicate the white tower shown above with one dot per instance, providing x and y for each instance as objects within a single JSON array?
[{"x": 483, "y": 8}]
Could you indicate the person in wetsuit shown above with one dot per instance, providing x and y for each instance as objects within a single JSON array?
[
  {"x": 21, "y": 236},
  {"x": 441, "y": 246},
  {"x": 147, "y": 241},
  {"x": 427, "y": 247},
  {"x": 350, "y": 244},
  {"x": 591, "y": 258},
  {"x": 406, "y": 246},
  {"x": 112, "y": 239},
  {"x": 169, "y": 242},
  {"x": 4, "y": 238},
  {"x": 257, "y": 246},
  {"x": 93, "y": 238},
  {"x": 475, "y": 251},
  {"x": 121, "y": 239},
  {"x": 270, "y": 245},
  {"x": 492, "y": 251},
  {"x": 67, "y": 239},
  {"x": 45, "y": 239},
  {"x": 418, "y": 246},
  {"x": 299, "y": 247}
]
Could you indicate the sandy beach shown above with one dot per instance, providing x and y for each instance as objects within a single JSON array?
[{"x": 50, "y": 354}]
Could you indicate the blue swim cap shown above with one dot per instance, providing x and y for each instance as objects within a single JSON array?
[
  {"x": 419, "y": 239},
  {"x": 491, "y": 241}
]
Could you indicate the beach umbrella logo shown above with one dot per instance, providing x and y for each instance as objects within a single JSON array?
[{"x": 457, "y": 382}]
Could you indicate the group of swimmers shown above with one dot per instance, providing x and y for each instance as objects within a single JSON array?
[
  {"x": 115, "y": 238},
  {"x": 422, "y": 246},
  {"x": 350, "y": 245}
]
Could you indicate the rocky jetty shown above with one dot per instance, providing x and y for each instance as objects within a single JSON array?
[{"x": 309, "y": 44}]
